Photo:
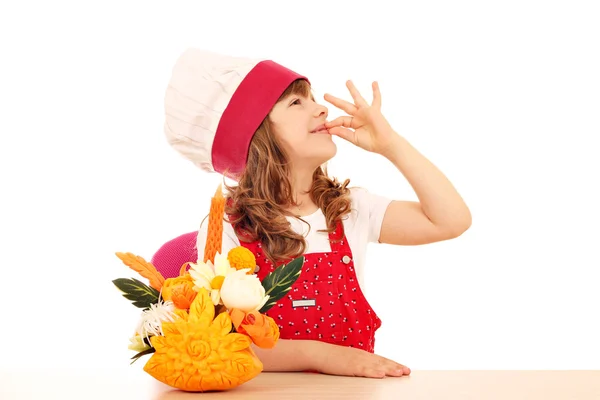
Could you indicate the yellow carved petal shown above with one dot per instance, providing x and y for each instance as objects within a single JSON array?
[
  {"x": 202, "y": 309},
  {"x": 215, "y": 362},
  {"x": 182, "y": 314},
  {"x": 222, "y": 325},
  {"x": 230, "y": 381},
  {"x": 173, "y": 341},
  {"x": 235, "y": 342},
  {"x": 158, "y": 342},
  {"x": 170, "y": 328},
  {"x": 195, "y": 382},
  {"x": 209, "y": 382},
  {"x": 244, "y": 365},
  {"x": 157, "y": 366},
  {"x": 178, "y": 381}
]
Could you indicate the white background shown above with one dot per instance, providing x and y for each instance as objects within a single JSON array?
[{"x": 502, "y": 96}]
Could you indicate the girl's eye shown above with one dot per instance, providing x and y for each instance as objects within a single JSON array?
[{"x": 297, "y": 101}]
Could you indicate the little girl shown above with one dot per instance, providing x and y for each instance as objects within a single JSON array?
[{"x": 256, "y": 122}]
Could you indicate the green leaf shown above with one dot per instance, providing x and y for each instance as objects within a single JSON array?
[
  {"x": 142, "y": 353},
  {"x": 139, "y": 293},
  {"x": 279, "y": 282}
]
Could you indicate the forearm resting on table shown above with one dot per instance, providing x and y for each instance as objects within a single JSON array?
[{"x": 291, "y": 355}]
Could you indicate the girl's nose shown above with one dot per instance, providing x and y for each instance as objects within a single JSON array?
[{"x": 321, "y": 109}]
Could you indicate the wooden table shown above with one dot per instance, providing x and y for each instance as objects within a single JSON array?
[{"x": 132, "y": 384}]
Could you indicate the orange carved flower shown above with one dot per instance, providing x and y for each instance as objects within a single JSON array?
[
  {"x": 261, "y": 328},
  {"x": 198, "y": 353},
  {"x": 177, "y": 284},
  {"x": 183, "y": 295},
  {"x": 242, "y": 258}
]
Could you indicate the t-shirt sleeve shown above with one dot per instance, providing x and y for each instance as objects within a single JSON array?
[
  {"x": 371, "y": 209},
  {"x": 230, "y": 239}
]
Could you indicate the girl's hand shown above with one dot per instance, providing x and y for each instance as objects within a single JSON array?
[
  {"x": 369, "y": 129},
  {"x": 349, "y": 361}
]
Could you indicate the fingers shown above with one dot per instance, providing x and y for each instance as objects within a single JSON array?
[
  {"x": 348, "y": 107},
  {"x": 392, "y": 368},
  {"x": 383, "y": 367},
  {"x": 349, "y": 361},
  {"x": 338, "y": 127},
  {"x": 344, "y": 133},
  {"x": 382, "y": 372},
  {"x": 358, "y": 99},
  {"x": 345, "y": 121},
  {"x": 376, "y": 96},
  {"x": 398, "y": 371},
  {"x": 375, "y": 373},
  {"x": 395, "y": 364}
]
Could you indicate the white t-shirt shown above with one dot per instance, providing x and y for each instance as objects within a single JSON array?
[{"x": 361, "y": 226}]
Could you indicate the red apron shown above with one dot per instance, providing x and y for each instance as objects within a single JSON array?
[{"x": 326, "y": 302}]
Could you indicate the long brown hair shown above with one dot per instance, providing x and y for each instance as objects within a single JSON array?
[{"x": 257, "y": 205}]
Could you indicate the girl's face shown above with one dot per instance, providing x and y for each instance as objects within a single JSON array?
[{"x": 297, "y": 123}]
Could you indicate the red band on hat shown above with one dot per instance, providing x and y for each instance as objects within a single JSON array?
[{"x": 250, "y": 104}]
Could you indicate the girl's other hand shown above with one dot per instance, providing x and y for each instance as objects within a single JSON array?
[{"x": 349, "y": 361}]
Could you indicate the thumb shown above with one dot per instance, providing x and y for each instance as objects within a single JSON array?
[{"x": 344, "y": 133}]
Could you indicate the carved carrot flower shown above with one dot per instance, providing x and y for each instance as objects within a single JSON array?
[
  {"x": 198, "y": 353},
  {"x": 242, "y": 258},
  {"x": 261, "y": 328},
  {"x": 179, "y": 290},
  {"x": 214, "y": 238}
]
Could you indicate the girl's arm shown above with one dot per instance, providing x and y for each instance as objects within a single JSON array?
[
  {"x": 289, "y": 356},
  {"x": 440, "y": 213}
]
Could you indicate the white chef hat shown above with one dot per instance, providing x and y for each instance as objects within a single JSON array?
[{"x": 214, "y": 103}]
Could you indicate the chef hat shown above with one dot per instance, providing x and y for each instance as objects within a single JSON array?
[{"x": 215, "y": 103}]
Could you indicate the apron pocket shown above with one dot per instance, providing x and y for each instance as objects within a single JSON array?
[{"x": 312, "y": 311}]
